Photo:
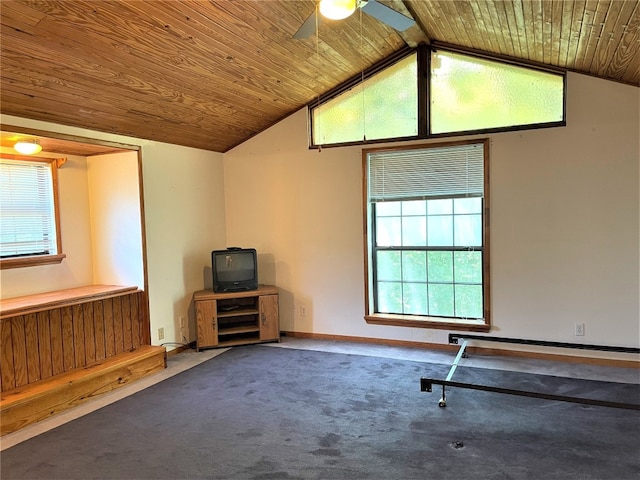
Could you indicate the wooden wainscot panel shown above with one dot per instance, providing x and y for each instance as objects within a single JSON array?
[
  {"x": 7, "y": 369},
  {"x": 69, "y": 361},
  {"x": 108, "y": 327},
  {"x": 62, "y": 348},
  {"x": 57, "y": 350},
  {"x": 45, "y": 356},
  {"x": 80, "y": 358},
  {"x": 19, "y": 341},
  {"x": 98, "y": 316},
  {"x": 23, "y": 406},
  {"x": 117, "y": 324},
  {"x": 51, "y": 333},
  {"x": 89, "y": 333}
]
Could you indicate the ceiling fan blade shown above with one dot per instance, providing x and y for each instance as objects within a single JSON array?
[
  {"x": 308, "y": 28},
  {"x": 387, "y": 15}
]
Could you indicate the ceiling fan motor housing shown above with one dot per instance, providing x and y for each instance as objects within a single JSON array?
[{"x": 377, "y": 10}]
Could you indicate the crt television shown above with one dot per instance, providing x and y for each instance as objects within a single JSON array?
[{"x": 234, "y": 269}]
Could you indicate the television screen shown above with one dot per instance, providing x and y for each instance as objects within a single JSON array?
[{"x": 234, "y": 269}]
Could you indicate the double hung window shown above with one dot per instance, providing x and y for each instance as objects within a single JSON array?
[{"x": 427, "y": 231}]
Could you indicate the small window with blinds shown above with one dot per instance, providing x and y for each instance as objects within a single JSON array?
[
  {"x": 28, "y": 212},
  {"x": 427, "y": 231}
]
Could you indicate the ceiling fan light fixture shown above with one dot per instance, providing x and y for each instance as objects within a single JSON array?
[
  {"x": 28, "y": 147},
  {"x": 337, "y": 9}
]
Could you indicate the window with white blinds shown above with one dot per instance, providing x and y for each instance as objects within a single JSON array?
[
  {"x": 453, "y": 171},
  {"x": 27, "y": 209},
  {"x": 427, "y": 234}
]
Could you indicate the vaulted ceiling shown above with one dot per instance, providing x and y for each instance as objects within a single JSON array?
[{"x": 211, "y": 74}]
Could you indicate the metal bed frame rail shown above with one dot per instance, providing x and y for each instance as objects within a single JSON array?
[{"x": 426, "y": 384}]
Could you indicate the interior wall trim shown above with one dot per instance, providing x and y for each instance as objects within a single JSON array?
[{"x": 585, "y": 360}]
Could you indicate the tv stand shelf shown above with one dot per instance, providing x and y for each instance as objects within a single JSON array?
[
  {"x": 237, "y": 313},
  {"x": 236, "y": 318},
  {"x": 234, "y": 330}
]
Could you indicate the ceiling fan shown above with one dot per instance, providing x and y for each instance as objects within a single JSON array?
[{"x": 339, "y": 9}]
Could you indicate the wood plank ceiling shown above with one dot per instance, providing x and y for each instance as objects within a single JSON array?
[{"x": 211, "y": 74}]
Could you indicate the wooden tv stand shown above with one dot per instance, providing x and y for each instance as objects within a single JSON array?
[{"x": 236, "y": 318}]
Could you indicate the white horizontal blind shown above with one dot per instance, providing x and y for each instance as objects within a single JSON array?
[
  {"x": 27, "y": 211},
  {"x": 452, "y": 171}
]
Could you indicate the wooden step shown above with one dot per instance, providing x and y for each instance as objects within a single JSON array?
[{"x": 34, "y": 402}]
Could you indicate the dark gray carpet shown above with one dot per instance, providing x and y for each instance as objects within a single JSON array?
[{"x": 260, "y": 412}]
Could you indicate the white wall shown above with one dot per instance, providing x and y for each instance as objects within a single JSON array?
[
  {"x": 564, "y": 224},
  {"x": 184, "y": 212},
  {"x": 565, "y": 210},
  {"x": 76, "y": 269},
  {"x": 116, "y": 228},
  {"x": 184, "y": 220}
]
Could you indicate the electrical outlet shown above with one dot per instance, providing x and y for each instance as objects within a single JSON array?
[
  {"x": 303, "y": 311},
  {"x": 181, "y": 322},
  {"x": 579, "y": 330},
  {"x": 161, "y": 333}
]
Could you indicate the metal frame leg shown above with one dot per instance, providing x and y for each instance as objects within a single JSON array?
[{"x": 461, "y": 353}]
